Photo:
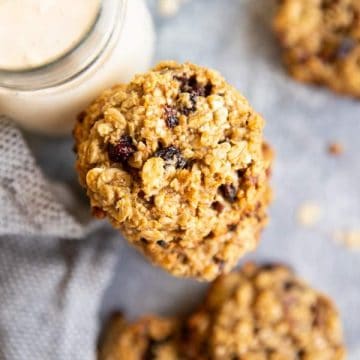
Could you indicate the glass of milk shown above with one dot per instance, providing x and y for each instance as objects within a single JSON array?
[{"x": 57, "y": 56}]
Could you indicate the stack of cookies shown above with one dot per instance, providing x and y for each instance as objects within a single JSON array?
[{"x": 176, "y": 160}]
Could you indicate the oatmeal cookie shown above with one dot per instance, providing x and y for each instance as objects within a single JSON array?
[
  {"x": 321, "y": 42},
  {"x": 176, "y": 160},
  {"x": 149, "y": 338},
  {"x": 262, "y": 313}
]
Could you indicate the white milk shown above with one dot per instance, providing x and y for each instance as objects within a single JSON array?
[
  {"x": 49, "y": 99},
  {"x": 36, "y": 32}
]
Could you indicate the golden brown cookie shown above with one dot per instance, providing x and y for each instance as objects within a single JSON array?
[
  {"x": 176, "y": 160},
  {"x": 148, "y": 338},
  {"x": 262, "y": 313},
  {"x": 321, "y": 42}
]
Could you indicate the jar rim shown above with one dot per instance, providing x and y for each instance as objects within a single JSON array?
[{"x": 79, "y": 60}]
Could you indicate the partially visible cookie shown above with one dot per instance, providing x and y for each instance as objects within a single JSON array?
[
  {"x": 321, "y": 42},
  {"x": 262, "y": 313},
  {"x": 258, "y": 313},
  {"x": 177, "y": 161},
  {"x": 149, "y": 338}
]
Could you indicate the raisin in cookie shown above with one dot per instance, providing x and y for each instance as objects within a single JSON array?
[
  {"x": 264, "y": 313},
  {"x": 149, "y": 338},
  {"x": 321, "y": 42},
  {"x": 176, "y": 160}
]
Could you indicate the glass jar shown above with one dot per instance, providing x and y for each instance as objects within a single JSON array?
[{"x": 48, "y": 98}]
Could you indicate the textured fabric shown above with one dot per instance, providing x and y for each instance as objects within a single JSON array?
[{"x": 51, "y": 283}]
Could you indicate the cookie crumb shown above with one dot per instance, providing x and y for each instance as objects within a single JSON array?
[
  {"x": 348, "y": 238},
  {"x": 168, "y": 8},
  {"x": 309, "y": 214},
  {"x": 335, "y": 149}
]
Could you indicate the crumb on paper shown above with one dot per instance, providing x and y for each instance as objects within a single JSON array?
[
  {"x": 309, "y": 214},
  {"x": 335, "y": 148},
  {"x": 169, "y": 8},
  {"x": 348, "y": 238}
]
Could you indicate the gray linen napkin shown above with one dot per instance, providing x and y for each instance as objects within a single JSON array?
[{"x": 53, "y": 268}]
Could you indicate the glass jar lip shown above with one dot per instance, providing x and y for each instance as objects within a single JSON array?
[{"x": 80, "y": 60}]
